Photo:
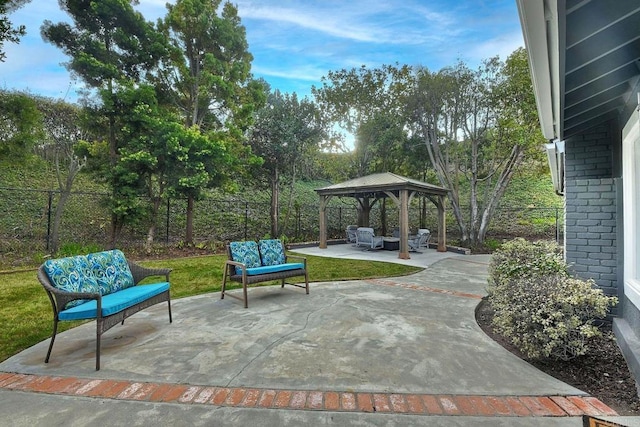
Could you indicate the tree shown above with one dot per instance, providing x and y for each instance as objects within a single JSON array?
[
  {"x": 286, "y": 133},
  {"x": 61, "y": 124},
  {"x": 7, "y": 31},
  {"x": 112, "y": 48},
  {"x": 207, "y": 79},
  {"x": 157, "y": 152},
  {"x": 365, "y": 102},
  {"x": 476, "y": 126},
  {"x": 20, "y": 124}
]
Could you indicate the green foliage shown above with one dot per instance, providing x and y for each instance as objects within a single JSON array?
[
  {"x": 20, "y": 125},
  {"x": 544, "y": 311},
  {"x": 7, "y": 31},
  {"x": 520, "y": 258},
  {"x": 72, "y": 249}
]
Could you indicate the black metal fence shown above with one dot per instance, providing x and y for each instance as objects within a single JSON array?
[{"x": 26, "y": 219}]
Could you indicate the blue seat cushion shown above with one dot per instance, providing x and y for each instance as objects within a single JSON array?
[
  {"x": 272, "y": 268},
  {"x": 114, "y": 302}
]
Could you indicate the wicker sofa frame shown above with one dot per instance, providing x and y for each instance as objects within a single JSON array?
[
  {"x": 60, "y": 298},
  {"x": 230, "y": 273}
]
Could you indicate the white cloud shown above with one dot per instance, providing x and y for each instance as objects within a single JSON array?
[
  {"x": 362, "y": 21},
  {"x": 502, "y": 46},
  {"x": 307, "y": 73}
]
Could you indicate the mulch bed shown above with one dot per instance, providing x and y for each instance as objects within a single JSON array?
[{"x": 603, "y": 372}]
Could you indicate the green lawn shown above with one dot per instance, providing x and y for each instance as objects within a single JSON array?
[{"x": 27, "y": 317}]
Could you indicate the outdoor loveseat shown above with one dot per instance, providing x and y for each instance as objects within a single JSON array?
[
  {"x": 102, "y": 286},
  {"x": 252, "y": 262}
]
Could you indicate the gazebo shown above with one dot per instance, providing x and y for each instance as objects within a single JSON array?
[{"x": 367, "y": 190}]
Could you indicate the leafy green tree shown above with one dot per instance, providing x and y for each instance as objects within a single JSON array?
[
  {"x": 365, "y": 102},
  {"x": 20, "y": 124},
  {"x": 157, "y": 152},
  {"x": 111, "y": 48},
  {"x": 361, "y": 100},
  {"x": 380, "y": 148},
  {"x": 207, "y": 79},
  {"x": 209, "y": 72},
  {"x": 476, "y": 127},
  {"x": 7, "y": 31},
  {"x": 287, "y": 133}
]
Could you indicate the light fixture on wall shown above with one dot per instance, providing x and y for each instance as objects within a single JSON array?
[{"x": 555, "y": 154}]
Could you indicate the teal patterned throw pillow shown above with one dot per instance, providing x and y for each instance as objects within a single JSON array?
[
  {"x": 111, "y": 270},
  {"x": 71, "y": 274},
  {"x": 246, "y": 253},
  {"x": 272, "y": 252}
]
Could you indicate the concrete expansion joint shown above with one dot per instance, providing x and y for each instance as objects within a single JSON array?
[
  {"x": 416, "y": 287},
  {"x": 310, "y": 400},
  {"x": 280, "y": 339}
]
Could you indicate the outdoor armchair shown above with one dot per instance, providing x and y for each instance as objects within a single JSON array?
[
  {"x": 366, "y": 237},
  {"x": 419, "y": 240},
  {"x": 351, "y": 233}
]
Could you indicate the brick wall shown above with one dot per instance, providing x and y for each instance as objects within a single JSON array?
[
  {"x": 589, "y": 155},
  {"x": 591, "y": 213}
]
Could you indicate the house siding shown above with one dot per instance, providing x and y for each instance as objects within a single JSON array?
[{"x": 591, "y": 209}]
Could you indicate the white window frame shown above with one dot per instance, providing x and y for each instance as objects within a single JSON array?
[{"x": 631, "y": 208}]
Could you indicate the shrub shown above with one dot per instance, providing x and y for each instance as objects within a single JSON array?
[
  {"x": 538, "y": 306},
  {"x": 520, "y": 258}
]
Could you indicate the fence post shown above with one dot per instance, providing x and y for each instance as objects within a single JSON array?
[
  {"x": 246, "y": 219},
  {"x": 557, "y": 227},
  {"x": 49, "y": 203},
  {"x": 168, "y": 208}
]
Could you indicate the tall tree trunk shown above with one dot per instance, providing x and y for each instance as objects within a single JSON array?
[
  {"x": 515, "y": 158},
  {"x": 65, "y": 187},
  {"x": 473, "y": 196},
  {"x": 275, "y": 184},
  {"x": 287, "y": 218},
  {"x": 113, "y": 159},
  {"x": 152, "y": 228},
  {"x": 57, "y": 219},
  {"x": 439, "y": 164}
]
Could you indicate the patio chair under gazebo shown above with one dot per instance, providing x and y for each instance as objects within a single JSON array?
[{"x": 368, "y": 189}]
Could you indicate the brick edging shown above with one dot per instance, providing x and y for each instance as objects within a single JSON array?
[{"x": 311, "y": 400}]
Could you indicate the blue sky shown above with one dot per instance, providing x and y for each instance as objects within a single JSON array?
[{"x": 296, "y": 43}]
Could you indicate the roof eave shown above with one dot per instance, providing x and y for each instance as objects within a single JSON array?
[{"x": 540, "y": 31}]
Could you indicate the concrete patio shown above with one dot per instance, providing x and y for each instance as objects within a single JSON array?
[{"x": 393, "y": 351}]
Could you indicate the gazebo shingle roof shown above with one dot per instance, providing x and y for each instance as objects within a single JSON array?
[{"x": 377, "y": 183}]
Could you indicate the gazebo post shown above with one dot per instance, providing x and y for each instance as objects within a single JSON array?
[
  {"x": 323, "y": 221},
  {"x": 404, "y": 225}
]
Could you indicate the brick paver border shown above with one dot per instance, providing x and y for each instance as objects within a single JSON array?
[{"x": 310, "y": 400}]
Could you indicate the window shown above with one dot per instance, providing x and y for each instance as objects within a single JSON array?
[{"x": 631, "y": 201}]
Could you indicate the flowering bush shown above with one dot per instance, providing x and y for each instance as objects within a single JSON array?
[{"x": 538, "y": 306}]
